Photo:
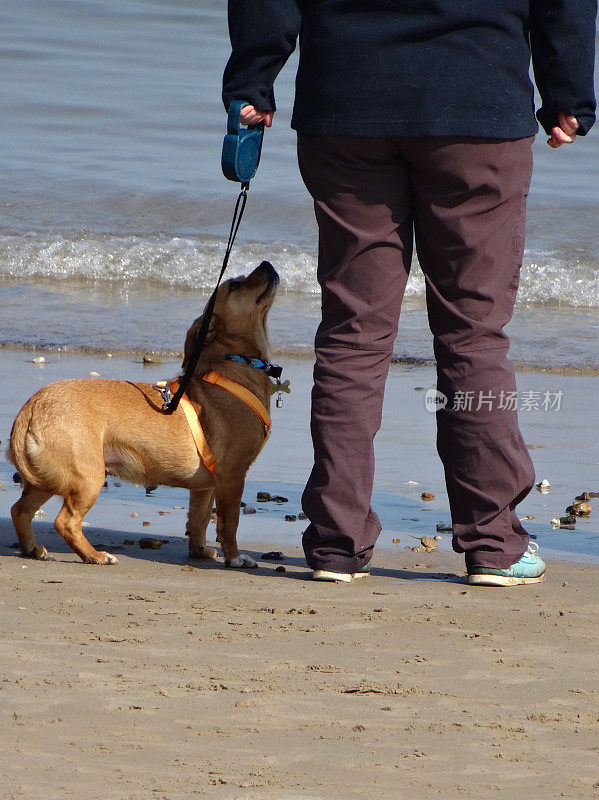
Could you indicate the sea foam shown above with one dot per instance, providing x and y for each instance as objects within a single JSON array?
[{"x": 193, "y": 263}]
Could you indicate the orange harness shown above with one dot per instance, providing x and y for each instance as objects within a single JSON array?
[{"x": 249, "y": 398}]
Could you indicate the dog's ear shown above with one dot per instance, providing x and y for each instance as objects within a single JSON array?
[{"x": 192, "y": 335}]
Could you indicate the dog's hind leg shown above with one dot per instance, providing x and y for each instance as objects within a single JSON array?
[
  {"x": 76, "y": 504},
  {"x": 22, "y": 513},
  {"x": 228, "y": 500},
  {"x": 200, "y": 509}
]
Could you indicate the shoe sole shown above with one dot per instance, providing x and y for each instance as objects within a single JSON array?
[
  {"x": 502, "y": 580},
  {"x": 337, "y": 577}
]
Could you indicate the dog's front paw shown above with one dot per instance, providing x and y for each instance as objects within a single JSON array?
[
  {"x": 108, "y": 558},
  {"x": 241, "y": 561},
  {"x": 39, "y": 552},
  {"x": 202, "y": 552}
]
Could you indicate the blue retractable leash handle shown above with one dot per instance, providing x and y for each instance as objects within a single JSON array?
[
  {"x": 240, "y": 159},
  {"x": 241, "y": 147}
]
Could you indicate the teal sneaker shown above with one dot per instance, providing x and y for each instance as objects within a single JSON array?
[
  {"x": 340, "y": 577},
  {"x": 530, "y": 569}
]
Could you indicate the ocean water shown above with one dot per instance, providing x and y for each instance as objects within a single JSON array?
[{"x": 113, "y": 208}]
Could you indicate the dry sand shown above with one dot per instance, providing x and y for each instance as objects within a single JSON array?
[{"x": 159, "y": 679}]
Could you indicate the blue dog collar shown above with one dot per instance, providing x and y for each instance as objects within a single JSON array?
[{"x": 272, "y": 370}]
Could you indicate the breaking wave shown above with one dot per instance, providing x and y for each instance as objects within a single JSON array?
[{"x": 192, "y": 263}]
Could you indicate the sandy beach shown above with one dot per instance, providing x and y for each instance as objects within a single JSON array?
[
  {"x": 157, "y": 678},
  {"x": 164, "y": 678}
]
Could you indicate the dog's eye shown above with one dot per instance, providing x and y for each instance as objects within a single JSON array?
[{"x": 234, "y": 285}]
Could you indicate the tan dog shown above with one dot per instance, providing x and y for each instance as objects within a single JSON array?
[{"x": 71, "y": 434}]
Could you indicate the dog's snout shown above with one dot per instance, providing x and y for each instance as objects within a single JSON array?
[
  {"x": 266, "y": 272},
  {"x": 266, "y": 279}
]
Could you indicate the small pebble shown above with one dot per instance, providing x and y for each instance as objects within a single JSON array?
[
  {"x": 145, "y": 523},
  {"x": 249, "y": 510},
  {"x": 39, "y": 360},
  {"x": 411, "y": 483},
  {"x": 242, "y": 704},
  {"x": 290, "y": 518},
  {"x": 302, "y": 515},
  {"x": 129, "y": 542},
  {"x": 118, "y": 484},
  {"x": 263, "y": 497},
  {"x": 150, "y": 489},
  {"x": 151, "y": 544},
  {"x": 544, "y": 484},
  {"x": 134, "y": 515},
  {"x": 443, "y": 528},
  {"x": 280, "y": 568},
  {"x": 569, "y": 520},
  {"x": 396, "y": 541},
  {"x": 278, "y": 499},
  {"x": 273, "y": 555},
  {"x": 179, "y": 508},
  {"x": 17, "y": 478},
  {"x": 428, "y": 543},
  {"x": 579, "y": 509},
  {"x": 427, "y": 496},
  {"x": 163, "y": 513},
  {"x": 242, "y": 504},
  {"x": 94, "y": 374}
]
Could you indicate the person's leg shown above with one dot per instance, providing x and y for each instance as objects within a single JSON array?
[
  {"x": 469, "y": 207},
  {"x": 363, "y": 207}
]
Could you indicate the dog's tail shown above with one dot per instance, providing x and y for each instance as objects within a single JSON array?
[{"x": 28, "y": 455}]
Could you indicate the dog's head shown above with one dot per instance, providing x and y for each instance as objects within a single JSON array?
[{"x": 239, "y": 319}]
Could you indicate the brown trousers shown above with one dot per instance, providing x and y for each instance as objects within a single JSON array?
[{"x": 463, "y": 201}]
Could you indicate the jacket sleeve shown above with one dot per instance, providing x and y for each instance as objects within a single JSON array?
[
  {"x": 562, "y": 40},
  {"x": 263, "y": 35}
]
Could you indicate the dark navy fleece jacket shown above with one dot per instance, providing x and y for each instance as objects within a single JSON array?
[{"x": 417, "y": 67}]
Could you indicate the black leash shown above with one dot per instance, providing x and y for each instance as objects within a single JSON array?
[
  {"x": 239, "y": 161},
  {"x": 201, "y": 335}
]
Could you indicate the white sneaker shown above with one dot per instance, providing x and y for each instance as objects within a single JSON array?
[{"x": 340, "y": 577}]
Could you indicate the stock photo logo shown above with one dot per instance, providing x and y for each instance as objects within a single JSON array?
[
  {"x": 434, "y": 400},
  {"x": 470, "y": 401}
]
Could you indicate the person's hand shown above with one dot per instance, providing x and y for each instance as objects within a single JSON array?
[
  {"x": 250, "y": 116},
  {"x": 565, "y": 133}
]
